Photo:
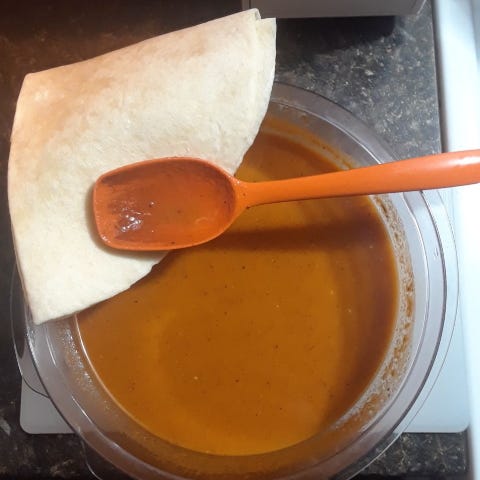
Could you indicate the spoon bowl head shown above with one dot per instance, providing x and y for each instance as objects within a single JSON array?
[{"x": 163, "y": 204}]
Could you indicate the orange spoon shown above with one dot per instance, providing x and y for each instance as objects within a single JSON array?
[{"x": 174, "y": 203}]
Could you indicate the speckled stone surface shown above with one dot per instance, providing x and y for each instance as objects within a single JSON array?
[{"x": 381, "y": 69}]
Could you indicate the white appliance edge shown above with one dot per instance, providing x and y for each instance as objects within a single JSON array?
[{"x": 457, "y": 26}]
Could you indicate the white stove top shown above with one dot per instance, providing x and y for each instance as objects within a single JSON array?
[{"x": 442, "y": 408}]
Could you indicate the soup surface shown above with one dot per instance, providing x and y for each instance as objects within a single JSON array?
[{"x": 263, "y": 337}]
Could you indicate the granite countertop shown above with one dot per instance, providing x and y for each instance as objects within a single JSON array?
[{"x": 381, "y": 69}]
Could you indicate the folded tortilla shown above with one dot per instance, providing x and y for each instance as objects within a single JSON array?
[{"x": 201, "y": 92}]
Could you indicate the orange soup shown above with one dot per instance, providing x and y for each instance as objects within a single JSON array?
[{"x": 263, "y": 337}]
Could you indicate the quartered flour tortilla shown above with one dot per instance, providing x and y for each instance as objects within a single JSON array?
[{"x": 199, "y": 92}]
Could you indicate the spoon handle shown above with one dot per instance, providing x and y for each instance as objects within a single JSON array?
[{"x": 421, "y": 173}]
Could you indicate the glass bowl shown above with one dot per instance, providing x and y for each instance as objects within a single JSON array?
[{"x": 426, "y": 261}]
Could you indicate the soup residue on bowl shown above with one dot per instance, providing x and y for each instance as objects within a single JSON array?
[{"x": 263, "y": 337}]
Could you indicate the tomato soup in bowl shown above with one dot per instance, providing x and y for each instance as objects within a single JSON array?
[{"x": 263, "y": 337}]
